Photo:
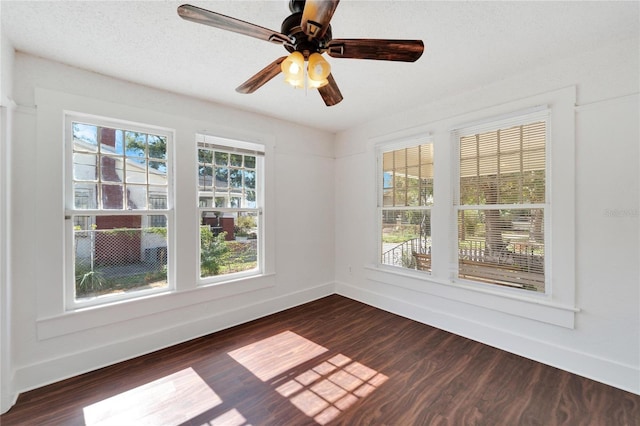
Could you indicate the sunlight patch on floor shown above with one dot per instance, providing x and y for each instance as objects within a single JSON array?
[
  {"x": 277, "y": 354},
  {"x": 321, "y": 392},
  {"x": 173, "y": 399},
  {"x": 329, "y": 388},
  {"x": 230, "y": 418}
]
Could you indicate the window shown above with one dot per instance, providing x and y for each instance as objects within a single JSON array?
[
  {"x": 405, "y": 203},
  {"x": 501, "y": 204},
  {"x": 230, "y": 205},
  {"x": 118, "y": 193}
]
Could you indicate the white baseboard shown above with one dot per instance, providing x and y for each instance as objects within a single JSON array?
[
  {"x": 621, "y": 376},
  {"x": 50, "y": 371},
  {"x": 7, "y": 400}
]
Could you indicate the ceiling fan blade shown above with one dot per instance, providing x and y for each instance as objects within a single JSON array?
[
  {"x": 217, "y": 20},
  {"x": 377, "y": 49},
  {"x": 330, "y": 93},
  {"x": 262, "y": 77},
  {"x": 316, "y": 17}
]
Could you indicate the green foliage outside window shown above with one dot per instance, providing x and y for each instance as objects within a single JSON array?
[{"x": 213, "y": 252}]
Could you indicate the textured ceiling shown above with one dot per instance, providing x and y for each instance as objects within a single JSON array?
[{"x": 467, "y": 45}]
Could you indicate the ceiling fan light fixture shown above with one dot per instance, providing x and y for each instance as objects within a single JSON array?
[
  {"x": 293, "y": 69},
  {"x": 319, "y": 69},
  {"x": 316, "y": 84}
]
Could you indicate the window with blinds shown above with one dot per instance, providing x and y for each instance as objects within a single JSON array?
[
  {"x": 501, "y": 205},
  {"x": 406, "y": 200}
]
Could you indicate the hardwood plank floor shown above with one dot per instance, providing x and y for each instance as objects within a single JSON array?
[{"x": 331, "y": 361}]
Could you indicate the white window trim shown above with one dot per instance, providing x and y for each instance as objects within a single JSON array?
[
  {"x": 558, "y": 305},
  {"x": 71, "y": 303},
  {"x": 53, "y": 319}
]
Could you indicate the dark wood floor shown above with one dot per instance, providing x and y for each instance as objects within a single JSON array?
[{"x": 332, "y": 361}]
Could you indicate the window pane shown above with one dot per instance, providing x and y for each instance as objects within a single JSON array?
[
  {"x": 137, "y": 171},
  {"x": 504, "y": 247},
  {"x": 249, "y": 162},
  {"x": 158, "y": 198},
  {"x": 235, "y": 178},
  {"x": 136, "y": 144},
  {"x": 157, "y": 172},
  {"x": 85, "y": 137},
  {"x": 250, "y": 199},
  {"x": 406, "y": 239},
  {"x": 112, "y": 197},
  {"x": 206, "y": 202},
  {"x": 85, "y": 196},
  {"x": 205, "y": 178},
  {"x": 111, "y": 169},
  {"x": 157, "y": 147},
  {"x": 158, "y": 221},
  {"x": 250, "y": 179},
  {"x": 85, "y": 167},
  {"x": 136, "y": 197},
  {"x": 109, "y": 143},
  {"x": 505, "y": 166},
  {"x": 222, "y": 159},
  {"x": 205, "y": 155},
  {"x": 407, "y": 175},
  {"x": 116, "y": 254},
  {"x": 236, "y": 160},
  {"x": 228, "y": 243},
  {"x": 222, "y": 177}
]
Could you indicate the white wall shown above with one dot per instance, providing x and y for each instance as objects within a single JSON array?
[
  {"x": 6, "y": 110},
  {"x": 603, "y": 343},
  {"x": 49, "y": 344}
]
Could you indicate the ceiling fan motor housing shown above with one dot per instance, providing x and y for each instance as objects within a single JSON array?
[
  {"x": 303, "y": 43},
  {"x": 296, "y": 5}
]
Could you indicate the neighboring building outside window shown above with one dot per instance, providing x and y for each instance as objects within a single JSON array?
[
  {"x": 405, "y": 202},
  {"x": 501, "y": 203},
  {"x": 118, "y": 193},
  {"x": 230, "y": 204}
]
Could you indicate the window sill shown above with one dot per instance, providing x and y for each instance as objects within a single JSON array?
[
  {"x": 81, "y": 319},
  {"x": 535, "y": 306}
]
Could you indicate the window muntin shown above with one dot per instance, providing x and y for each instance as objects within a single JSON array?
[
  {"x": 117, "y": 169},
  {"x": 229, "y": 201},
  {"x": 501, "y": 205},
  {"x": 406, "y": 200}
]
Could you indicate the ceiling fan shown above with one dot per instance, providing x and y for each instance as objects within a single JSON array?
[{"x": 306, "y": 34}]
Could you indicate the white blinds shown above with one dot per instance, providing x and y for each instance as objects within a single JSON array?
[
  {"x": 504, "y": 166},
  {"x": 501, "y": 205}
]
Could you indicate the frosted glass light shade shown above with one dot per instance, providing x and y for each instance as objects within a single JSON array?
[
  {"x": 319, "y": 69},
  {"x": 293, "y": 69}
]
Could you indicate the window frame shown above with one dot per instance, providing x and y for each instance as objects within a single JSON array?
[
  {"x": 233, "y": 146},
  {"x": 71, "y": 303},
  {"x": 390, "y": 146},
  {"x": 558, "y": 305},
  {"x": 518, "y": 118}
]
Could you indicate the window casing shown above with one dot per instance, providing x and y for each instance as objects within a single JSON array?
[
  {"x": 557, "y": 304},
  {"x": 230, "y": 203},
  {"x": 501, "y": 202},
  {"x": 118, "y": 194},
  {"x": 404, "y": 204}
]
